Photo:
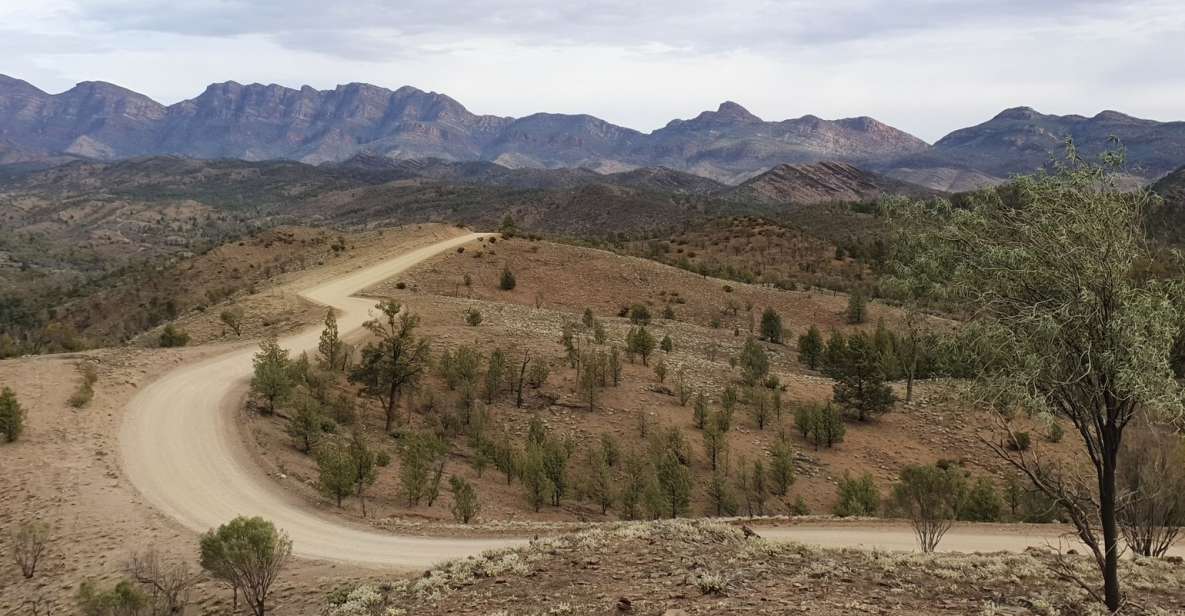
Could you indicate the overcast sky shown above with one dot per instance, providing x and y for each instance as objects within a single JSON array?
[{"x": 925, "y": 66}]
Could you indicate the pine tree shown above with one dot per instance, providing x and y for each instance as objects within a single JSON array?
[
  {"x": 810, "y": 348},
  {"x": 771, "y": 326},
  {"x": 861, "y": 388},
  {"x": 781, "y": 468},
  {"x": 330, "y": 345},
  {"x": 271, "y": 378},
  {"x": 856, "y": 307}
]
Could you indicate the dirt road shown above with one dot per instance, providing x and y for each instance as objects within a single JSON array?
[
  {"x": 180, "y": 447},
  {"x": 181, "y": 450}
]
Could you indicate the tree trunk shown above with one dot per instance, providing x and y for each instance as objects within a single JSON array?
[
  {"x": 913, "y": 367},
  {"x": 1111, "y": 594}
]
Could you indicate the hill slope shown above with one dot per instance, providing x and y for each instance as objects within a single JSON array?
[{"x": 821, "y": 183}]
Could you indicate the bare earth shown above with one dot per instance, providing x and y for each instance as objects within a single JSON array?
[{"x": 190, "y": 462}]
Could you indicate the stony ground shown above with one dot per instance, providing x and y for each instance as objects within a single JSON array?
[{"x": 680, "y": 568}]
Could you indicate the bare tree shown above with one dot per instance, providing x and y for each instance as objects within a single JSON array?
[
  {"x": 1152, "y": 491},
  {"x": 168, "y": 581},
  {"x": 29, "y": 541}
]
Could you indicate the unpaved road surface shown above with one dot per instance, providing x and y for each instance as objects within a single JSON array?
[{"x": 181, "y": 450}]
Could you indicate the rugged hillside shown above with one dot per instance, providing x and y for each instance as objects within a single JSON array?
[
  {"x": 822, "y": 183},
  {"x": 1172, "y": 187},
  {"x": 256, "y": 122},
  {"x": 1021, "y": 139}
]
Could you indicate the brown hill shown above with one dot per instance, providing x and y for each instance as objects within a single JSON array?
[{"x": 823, "y": 182}]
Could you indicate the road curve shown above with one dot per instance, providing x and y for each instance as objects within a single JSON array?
[{"x": 181, "y": 449}]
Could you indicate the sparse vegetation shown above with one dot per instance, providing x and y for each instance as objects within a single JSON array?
[
  {"x": 930, "y": 496},
  {"x": 172, "y": 336},
  {"x": 247, "y": 554},
  {"x": 12, "y": 415},
  {"x": 858, "y": 496},
  {"x": 86, "y": 388},
  {"x": 28, "y": 542}
]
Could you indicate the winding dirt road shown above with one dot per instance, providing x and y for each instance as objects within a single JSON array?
[{"x": 180, "y": 448}]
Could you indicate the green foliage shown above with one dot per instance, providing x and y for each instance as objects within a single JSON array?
[
  {"x": 1064, "y": 318},
  {"x": 760, "y": 405},
  {"x": 639, "y": 314},
  {"x": 810, "y": 348},
  {"x": 396, "y": 359},
  {"x": 472, "y": 317},
  {"x": 860, "y": 386},
  {"x": 534, "y": 478},
  {"x": 674, "y": 484},
  {"x": 771, "y": 326},
  {"x": 857, "y": 311},
  {"x": 233, "y": 318},
  {"x": 640, "y": 342},
  {"x": 931, "y": 497},
  {"x": 496, "y": 375},
  {"x": 330, "y": 347},
  {"x": 715, "y": 444},
  {"x": 599, "y": 481},
  {"x": 124, "y": 599},
  {"x": 781, "y": 468},
  {"x": 336, "y": 472},
  {"x": 699, "y": 413},
  {"x": 507, "y": 281},
  {"x": 636, "y": 480},
  {"x": 12, "y": 415},
  {"x": 1020, "y": 441},
  {"x": 754, "y": 362},
  {"x": 720, "y": 495},
  {"x": 666, "y": 345},
  {"x": 555, "y": 465},
  {"x": 835, "y": 355},
  {"x": 248, "y": 554},
  {"x": 508, "y": 229},
  {"x": 537, "y": 373},
  {"x": 858, "y": 496},
  {"x": 171, "y": 336},
  {"x": 307, "y": 423},
  {"x": 422, "y": 457},
  {"x": 982, "y": 502},
  {"x": 271, "y": 379},
  {"x": 754, "y": 487},
  {"x": 820, "y": 425},
  {"x": 465, "y": 505}
]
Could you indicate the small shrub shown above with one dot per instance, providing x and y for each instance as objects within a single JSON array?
[
  {"x": 28, "y": 542},
  {"x": 1020, "y": 441},
  {"x": 465, "y": 505},
  {"x": 857, "y": 496},
  {"x": 507, "y": 281},
  {"x": 639, "y": 314},
  {"x": 472, "y": 317},
  {"x": 171, "y": 336},
  {"x": 12, "y": 415}
]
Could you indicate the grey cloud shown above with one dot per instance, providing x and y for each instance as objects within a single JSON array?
[{"x": 701, "y": 26}]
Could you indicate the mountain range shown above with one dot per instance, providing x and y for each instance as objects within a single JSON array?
[{"x": 102, "y": 121}]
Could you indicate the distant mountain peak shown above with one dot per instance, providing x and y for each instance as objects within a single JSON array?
[
  {"x": 730, "y": 109},
  {"x": 1018, "y": 113}
]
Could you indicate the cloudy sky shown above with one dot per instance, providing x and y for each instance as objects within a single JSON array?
[{"x": 926, "y": 66}]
